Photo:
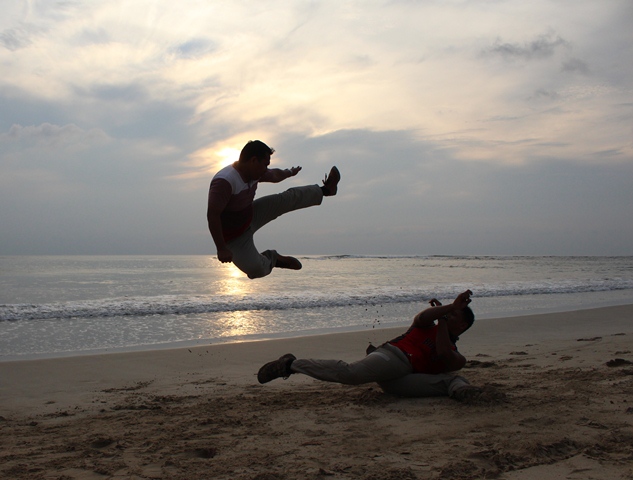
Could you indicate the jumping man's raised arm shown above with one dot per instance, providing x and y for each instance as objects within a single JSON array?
[{"x": 276, "y": 175}]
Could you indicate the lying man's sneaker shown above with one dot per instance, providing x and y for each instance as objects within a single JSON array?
[
  {"x": 331, "y": 181},
  {"x": 467, "y": 394},
  {"x": 288, "y": 262},
  {"x": 276, "y": 369},
  {"x": 487, "y": 395}
]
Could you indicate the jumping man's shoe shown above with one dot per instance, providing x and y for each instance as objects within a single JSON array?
[
  {"x": 276, "y": 369},
  {"x": 288, "y": 262},
  {"x": 331, "y": 181}
]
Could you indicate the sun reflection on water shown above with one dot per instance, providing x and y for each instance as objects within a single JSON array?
[
  {"x": 235, "y": 283},
  {"x": 237, "y": 324}
]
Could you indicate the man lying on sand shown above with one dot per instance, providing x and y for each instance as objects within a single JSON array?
[{"x": 416, "y": 364}]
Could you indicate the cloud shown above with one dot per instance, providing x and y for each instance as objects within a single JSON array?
[
  {"x": 403, "y": 194},
  {"x": 575, "y": 65},
  {"x": 542, "y": 93},
  {"x": 194, "y": 48},
  {"x": 120, "y": 112},
  {"x": 544, "y": 46},
  {"x": 47, "y": 135},
  {"x": 126, "y": 93},
  {"x": 14, "y": 39},
  {"x": 399, "y": 194},
  {"x": 92, "y": 36}
]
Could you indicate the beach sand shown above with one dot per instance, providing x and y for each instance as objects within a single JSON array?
[{"x": 560, "y": 407}]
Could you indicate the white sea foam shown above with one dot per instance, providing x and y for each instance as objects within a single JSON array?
[{"x": 185, "y": 304}]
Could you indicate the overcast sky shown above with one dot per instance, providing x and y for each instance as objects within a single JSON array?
[{"x": 459, "y": 127}]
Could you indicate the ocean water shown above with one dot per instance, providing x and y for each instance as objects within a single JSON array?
[{"x": 69, "y": 305}]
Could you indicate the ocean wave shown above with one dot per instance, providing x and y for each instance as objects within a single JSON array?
[{"x": 191, "y": 305}]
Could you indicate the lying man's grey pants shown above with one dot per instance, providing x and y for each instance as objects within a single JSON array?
[
  {"x": 389, "y": 367},
  {"x": 265, "y": 209}
]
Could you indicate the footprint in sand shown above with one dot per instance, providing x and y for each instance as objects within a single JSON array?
[{"x": 618, "y": 362}]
